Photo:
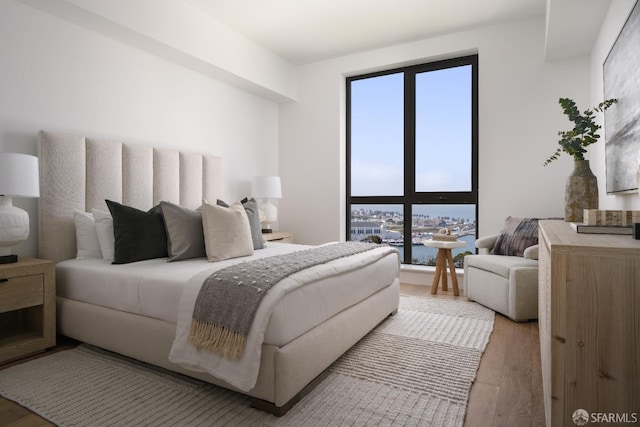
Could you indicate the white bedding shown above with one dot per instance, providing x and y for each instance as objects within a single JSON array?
[
  {"x": 243, "y": 373},
  {"x": 154, "y": 288}
]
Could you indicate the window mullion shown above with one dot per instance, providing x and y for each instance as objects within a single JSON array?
[{"x": 409, "y": 158}]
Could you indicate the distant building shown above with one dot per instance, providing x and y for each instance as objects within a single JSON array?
[{"x": 363, "y": 229}]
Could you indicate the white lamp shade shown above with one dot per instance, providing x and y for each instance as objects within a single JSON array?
[
  {"x": 266, "y": 187},
  {"x": 19, "y": 175}
]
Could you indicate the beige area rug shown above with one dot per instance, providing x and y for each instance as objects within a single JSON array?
[{"x": 414, "y": 369}]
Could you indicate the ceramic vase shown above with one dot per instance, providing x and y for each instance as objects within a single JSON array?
[{"x": 581, "y": 192}]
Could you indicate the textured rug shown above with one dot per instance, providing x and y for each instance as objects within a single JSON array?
[{"x": 415, "y": 369}]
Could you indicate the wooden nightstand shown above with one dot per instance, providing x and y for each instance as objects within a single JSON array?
[
  {"x": 27, "y": 308},
  {"x": 278, "y": 236}
]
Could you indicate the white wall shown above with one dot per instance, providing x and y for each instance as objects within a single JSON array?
[
  {"x": 57, "y": 76},
  {"x": 518, "y": 124},
  {"x": 185, "y": 34},
  {"x": 613, "y": 23}
]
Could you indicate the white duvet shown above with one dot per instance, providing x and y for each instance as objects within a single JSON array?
[{"x": 243, "y": 373}]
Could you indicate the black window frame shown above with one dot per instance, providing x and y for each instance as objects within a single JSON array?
[{"x": 411, "y": 196}]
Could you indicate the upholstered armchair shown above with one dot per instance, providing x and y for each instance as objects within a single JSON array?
[{"x": 504, "y": 277}]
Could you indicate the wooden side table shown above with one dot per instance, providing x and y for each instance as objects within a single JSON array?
[
  {"x": 444, "y": 255},
  {"x": 27, "y": 308},
  {"x": 278, "y": 236}
]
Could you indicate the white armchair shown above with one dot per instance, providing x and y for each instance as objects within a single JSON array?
[{"x": 505, "y": 283}]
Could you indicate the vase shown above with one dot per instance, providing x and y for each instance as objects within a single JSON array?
[{"x": 581, "y": 192}]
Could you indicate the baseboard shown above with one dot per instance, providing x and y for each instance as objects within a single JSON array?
[{"x": 423, "y": 275}]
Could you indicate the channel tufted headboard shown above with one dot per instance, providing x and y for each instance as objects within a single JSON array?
[{"x": 78, "y": 172}]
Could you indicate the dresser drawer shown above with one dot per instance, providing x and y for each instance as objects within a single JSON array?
[{"x": 21, "y": 292}]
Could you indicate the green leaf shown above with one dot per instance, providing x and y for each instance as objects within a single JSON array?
[{"x": 584, "y": 132}]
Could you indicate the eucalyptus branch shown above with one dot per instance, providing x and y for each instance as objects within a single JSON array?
[{"x": 584, "y": 132}]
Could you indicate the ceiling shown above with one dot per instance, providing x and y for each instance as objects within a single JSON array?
[
  {"x": 229, "y": 39},
  {"x": 305, "y": 31}
]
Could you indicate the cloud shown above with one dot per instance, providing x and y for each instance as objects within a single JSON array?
[
  {"x": 383, "y": 179},
  {"x": 376, "y": 179},
  {"x": 442, "y": 180},
  {"x": 432, "y": 180}
]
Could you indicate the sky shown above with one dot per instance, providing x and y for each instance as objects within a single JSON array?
[{"x": 443, "y": 132}]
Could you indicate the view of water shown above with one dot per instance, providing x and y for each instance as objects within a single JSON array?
[
  {"x": 459, "y": 217},
  {"x": 422, "y": 254}
]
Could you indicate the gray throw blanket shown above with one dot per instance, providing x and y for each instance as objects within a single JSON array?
[{"x": 229, "y": 298}]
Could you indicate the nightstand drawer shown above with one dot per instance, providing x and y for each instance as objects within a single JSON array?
[
  {"x": 21, "y": 292},
  {"x": 27, "y": 308},
  {"x": 278, "y": 237}
]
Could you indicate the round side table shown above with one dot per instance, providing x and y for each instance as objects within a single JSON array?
[{"x": 444, "y": 256}]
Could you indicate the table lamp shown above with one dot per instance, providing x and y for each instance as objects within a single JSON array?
[
  {"x": 18, "y": 178},
  {"x": 265, "y": 188}
]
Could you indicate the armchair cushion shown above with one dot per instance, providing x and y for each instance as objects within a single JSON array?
[
  {"x": 531, "y": 252},
  {"x": 487, "y": 242},
  {"x": 500, "y": 265},
  {"x": 516, "y": 235}
]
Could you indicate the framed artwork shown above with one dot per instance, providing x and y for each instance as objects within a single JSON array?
[{"x": 622, "y": 122}]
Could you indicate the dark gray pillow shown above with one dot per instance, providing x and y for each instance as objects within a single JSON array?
[
  {"x": 251, "y": 208},
  {"x": 516, "y": 236},
  {"x": 185, "y": 237},
  {"x": 138, "y": 235}
]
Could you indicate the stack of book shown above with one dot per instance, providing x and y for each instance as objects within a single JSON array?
[{"x": 598, "y": 221}]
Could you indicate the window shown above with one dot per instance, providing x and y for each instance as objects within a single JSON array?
[{"x": 412, "y": 155}]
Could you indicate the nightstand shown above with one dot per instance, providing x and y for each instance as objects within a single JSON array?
[
  {"x": 27, "y": 308},
  {"x": 278, "y": 236}
]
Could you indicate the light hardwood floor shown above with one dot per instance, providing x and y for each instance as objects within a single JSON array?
[
  {"x": 507, "y": 390},
  {"x": 508, "y": 387}
]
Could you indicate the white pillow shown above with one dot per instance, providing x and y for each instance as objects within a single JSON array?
[
  {"x": 104, "y": 229},
  {"x": 227, "y": 233},
  {"x": 87, "y": 243}
]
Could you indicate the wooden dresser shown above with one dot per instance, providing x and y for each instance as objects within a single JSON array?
[{"x": 589, "y": 319}]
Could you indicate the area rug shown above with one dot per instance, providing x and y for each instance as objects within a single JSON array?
[{"x": 415, "y": 369}]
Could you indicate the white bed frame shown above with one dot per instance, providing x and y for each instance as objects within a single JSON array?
[{"x": 79, "y": 173}]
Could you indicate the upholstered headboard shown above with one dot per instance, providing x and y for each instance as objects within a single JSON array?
[{"x": 78, "y": 172}]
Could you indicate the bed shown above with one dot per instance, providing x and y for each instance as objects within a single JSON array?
[{"x": 133, "y": 309}]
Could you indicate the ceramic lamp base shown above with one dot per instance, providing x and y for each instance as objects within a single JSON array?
[
  {"x": 14, "y": 228},
  {"x": 269, "y": 215}
]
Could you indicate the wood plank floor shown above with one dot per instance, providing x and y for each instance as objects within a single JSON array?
[
  {"x": 508, "y": 387},
  {"x": 507, "y": 390}
]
